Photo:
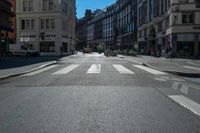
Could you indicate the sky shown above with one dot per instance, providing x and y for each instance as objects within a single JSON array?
[{"x": 82, "y": 5}]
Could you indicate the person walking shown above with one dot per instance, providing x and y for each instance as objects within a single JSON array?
[{"x": 61, "y": 51}]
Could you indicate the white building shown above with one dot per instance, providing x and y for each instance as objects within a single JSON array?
[{"x": 53, "y": 19}]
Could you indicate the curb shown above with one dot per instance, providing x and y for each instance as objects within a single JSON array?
[
  {"x": 191, "y": 75},
  {"x": 29, "y": 71}
]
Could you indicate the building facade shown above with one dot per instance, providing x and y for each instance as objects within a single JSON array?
[
  {"x": 95, "y": 30},
  {"x": 109, "y": 27},
  {"x": 126, "y": 24},
  {"x": 46, "y": 25},
  {"x": 169, "y": 24},
  {"x": 6, "y": 14},
  {"x": 81, "y": 30},
  {"x": 12, "y": 35}
]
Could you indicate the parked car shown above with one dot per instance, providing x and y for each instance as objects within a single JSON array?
[
  {"x": 86, "y": 50},
  {"x": 22, "y": 50},
  {"x": 109, "y": 52}
]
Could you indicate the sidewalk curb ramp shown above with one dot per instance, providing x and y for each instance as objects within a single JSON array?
[
  {"x": 28, "y": 71},
  {"x": 178, "y": 73}
]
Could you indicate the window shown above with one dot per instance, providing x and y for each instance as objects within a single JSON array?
[
  {"x": 42, "y": 23},
  {"x": 23, "y": 24},
  {"x": 27, "y": 5},
  {"x": 197, "y": 3},
  {"x": 48, "y": 5},
  {"x": 160, "y": 27},
  {"x": 47, "y": 47},
  {"x": 187, "y": 18},
  {"x": 27, "y": 24},
  {"x": 48, "y": 23}
]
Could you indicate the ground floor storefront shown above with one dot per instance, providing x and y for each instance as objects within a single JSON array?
[
  {"x": 181, "y": 45},
  {"x": 50, "y": 45}
]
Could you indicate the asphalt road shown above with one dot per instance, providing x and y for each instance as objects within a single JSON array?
[{"x": 95, "y": 94}]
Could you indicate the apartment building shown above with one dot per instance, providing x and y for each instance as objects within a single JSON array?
[
  {"x": 169, "y": 24},
  {"x": 12, "y": 35},
  {"x": 6, "y": 14},
  {"x": 109, "y": 27},
  {"x": 46, "y": 25},
  {"x": 126, "y": 24},
  {"x": 95, "y": 30},
  {"x": 81, "y": 29}
]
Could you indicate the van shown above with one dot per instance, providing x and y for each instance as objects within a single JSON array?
[{"x": 22, "y": 50}]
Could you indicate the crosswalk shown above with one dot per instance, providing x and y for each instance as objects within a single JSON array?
[
  {"x": 123, "y": 70},
  {"x": 97, "y": 69},
  {"x": 66, "y": 69}
]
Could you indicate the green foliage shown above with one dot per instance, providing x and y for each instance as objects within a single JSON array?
[{"x": 100, "y": 48}]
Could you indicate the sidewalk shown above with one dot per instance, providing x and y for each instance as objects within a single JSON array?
[
  {"x": 181, "y": 67},
  {"x": 15, "y": 66}
]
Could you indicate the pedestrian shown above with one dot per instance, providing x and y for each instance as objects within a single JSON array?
[{"x": 61, "y": 51}]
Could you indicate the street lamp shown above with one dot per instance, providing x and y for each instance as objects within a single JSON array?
[{"x": 42, "y": 37}]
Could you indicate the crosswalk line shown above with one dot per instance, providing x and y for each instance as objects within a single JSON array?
[
  {"x": 94, "y": 69},
  {"x": 150, "y": 70},
  {"x": 187, "y": 103},
  {"x": 66, "y": 70},
  {"x": 121, "y": 69},
  {"x": 40, "y": 71}
]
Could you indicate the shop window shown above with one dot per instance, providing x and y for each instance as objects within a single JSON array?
[{"x": 47, "y": 47}]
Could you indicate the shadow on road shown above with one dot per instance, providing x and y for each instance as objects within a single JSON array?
[{"x": 14, "y": 62}]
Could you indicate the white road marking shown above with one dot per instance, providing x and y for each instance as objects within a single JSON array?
[
  {"x": 40, "y": 71},
  {"x": 187, "y": 103},
  {"x": 178, "y": 79},
  {"x": 161, "y": 79},
  {"x": 150, "y": 70},
  {"x": 193, "y": 63},
  {"x": 175, "y": 85},
  {"x": 66, "y": 69},
  {"x": 184, "y": 89},
  {"x": 94, "y": 69},
  {"x": 121, "y": 69},
  {"x": 192, "y": 68}
]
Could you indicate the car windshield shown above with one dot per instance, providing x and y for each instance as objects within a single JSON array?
[{"x": 99, "y": 66}]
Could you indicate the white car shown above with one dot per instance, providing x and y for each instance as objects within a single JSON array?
[{"x": 21, "y": 50}]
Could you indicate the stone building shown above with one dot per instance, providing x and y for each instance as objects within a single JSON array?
[
  {"x": 126, "y": 24},
  {"x": 6, "y": 14},
  {"x": 169, "y": 24},
  {"x": 109, "y": 27},
  {"x": 81, "y": 30},
  {"x": 95, "y": 30},
  {"x": 46, "y": 25}
]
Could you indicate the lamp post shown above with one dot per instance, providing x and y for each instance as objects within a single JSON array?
[{"x": 42, "y": 37}]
